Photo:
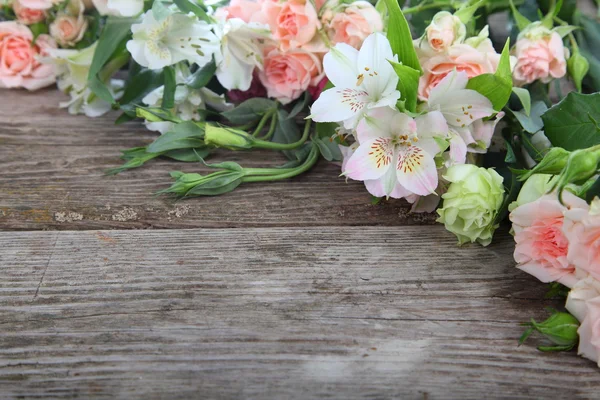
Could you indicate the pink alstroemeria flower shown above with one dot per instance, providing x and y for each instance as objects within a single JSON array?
[{"x": 396, "y": 152}]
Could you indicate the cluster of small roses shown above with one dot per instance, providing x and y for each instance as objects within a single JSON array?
[{"x": 33, "y": 29}]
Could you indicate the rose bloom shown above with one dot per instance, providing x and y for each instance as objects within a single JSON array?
[
  {"x": 589, "y": 330},
  {"x": 19, "y": 64},
  {"x": 541, "y": 247},
  {"x": 352, "y": 25},
  {"x": 286, "y": 75},
  {"x": 445, "y": 30},
  {"x": 582, "y": 228},
  {"x": 26, "y": 15},
  {"x": 540, "y": 57},
  {"x": 462, "y": 57},
  {"x": 294, "y": 23},
  {"x": 38, "y": 4},
  {"x": 67, "y": 30},
  {"x": 246, "y": 10}
]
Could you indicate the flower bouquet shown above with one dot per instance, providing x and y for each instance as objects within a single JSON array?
[{"x": 424, "y": 103}]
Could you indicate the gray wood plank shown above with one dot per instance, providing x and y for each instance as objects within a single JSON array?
[
  {"x": 272, "y": 313},
  {"x": 52, "y": 177}
]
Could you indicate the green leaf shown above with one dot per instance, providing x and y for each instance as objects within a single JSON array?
[
  {"x": 400, "y": 37},
  {"x": 548, "y": 20},
  {"x": 287, "y": 131},
  {"x": 168, "y": 100},
  {"x": 408, "y": 84},
  {"x": 574, "y": 122},
  {"x": 465, "y": 12},
  {"x": 184, "y": 135},
  {"x": 187, "y": 6},
  {"x": 203, "y": 75},
  {"x": 218, "y": 185},
  {"x": 135, "y": 157},
  {"x": 139, "y": 85},
  {"x": 520, "y": 19},
  {"x": 114, "y": 35},
  {"x": 564, "y": 30},
  {"x": 593, "y": 191},
  {"x": 188, "y": 155},
  {"x": 496, "y": 87},
  {"x": 325, "y": 134},
  {"x": 38, "y": 28},
  {"x": 300, "y": 105},
  {"x": 250, "y": 110},
  {"x": 524, "y": 97}
]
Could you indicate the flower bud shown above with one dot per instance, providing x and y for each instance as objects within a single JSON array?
[
  {"x": 205, "y": 185},
  {"x": 581, "y": 166},
  {"x": 445, "y": 30},
  {"x": 229, "y": 138},
  {"x": 578, "y": 67},
  {"x": 553, "y": 163},
  {"x": 560, "y": 329}
]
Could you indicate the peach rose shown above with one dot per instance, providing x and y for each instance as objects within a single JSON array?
[
  {"x": 294, "y": 23},
  {"x": 67, "y": 30},
  {"x": 540, "y": 56},
  {"x": 246, "y": 10},
  {"x": 541, "y": 246},
  {"x": 582, "y": 229},
  {"x": 445, "y": 30},
  {"x": 19, "y": 64},
  {"x": 38, "y": 4},
  {"x": 462, "y": 57},
  {"x": 352, "y": 24},
  {"x": 26, "y": 15},
  {"x": 286, "y": 75}
]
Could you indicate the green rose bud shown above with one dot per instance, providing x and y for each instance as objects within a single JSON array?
[
  {"x": 471, "y": 203},
  {"x": 193, "y": 184},
  {"x": 578, "y": 67},
  {"x": 229, "y": 138},
  {"x": 553, "y": 163},
  {"x": 560, "y": 329},
  {"x": 534, "y": 188},
  {"x": 581, "y": 166},
  {"x": 154, "y": 114}
]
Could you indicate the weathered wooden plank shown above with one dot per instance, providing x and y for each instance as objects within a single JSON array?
[
  {"x": 52, "y": 177},
  {"x": 362, "y": 312}
]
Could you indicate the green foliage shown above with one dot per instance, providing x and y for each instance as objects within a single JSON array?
[
  {"x": 183, "y": 135},
  {"x": 326, "y": 138},
  {"x": 187, "y": 6},
  {"x": 168, "y": 100},
  {"x": 400, "y": 37},
  {"x": 498, "y": 86},
  {"x": 520, "y": 19},
  {"x": 203, "y": 75},
  {"x": 524, "y": 98},
  {"x": 250, "y": 110},
  {"x": 408, "y": 84},
  {"x": 139, "y": 85},
  {"x": 574, "y": 122}
]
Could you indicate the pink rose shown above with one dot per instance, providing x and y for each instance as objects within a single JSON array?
[
  {"x": 38, "y": 4},
  {"x": 67, "y": 30},
  {"x": 541, "y": 247},
  {"x": 286, "y": 75},
  {"x": 19, "y": 64},
  {"x": 353, "y": 24},
  {"x": 540, "y": 58},
  {"x": 589, "y": 331},
  {"x": 445, "y": 30},
  {"x": 245, "y": 10},
  {"x": 582, "y": 229},
  {"x": 462, "y": 57},
  {"x": 26, "y": 15},
  {"x": 294, "y": 23}
]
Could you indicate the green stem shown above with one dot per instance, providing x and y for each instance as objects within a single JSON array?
[
  {"x": 423, "y": 7},
  {"x": 271, "y": 131},
  {"x": 262, "y": 123},
  {"x": 263, "y": 144},
  {"x": 245, "y": 127},
  {"x": 311, "y": 160}
]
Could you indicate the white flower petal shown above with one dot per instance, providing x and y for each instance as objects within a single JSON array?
[{"x": 340, "y": 65}]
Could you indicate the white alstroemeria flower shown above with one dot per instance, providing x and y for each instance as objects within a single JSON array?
[
  {"x": 83, "y": 100},
  {"x": 240, "y": 52},
  {"x": 119, "y": 8},
  {"x": 363, "y": 80},
  {"x": 178, "y": 37},
  {"x": 395, "y": 156},
  {"x": 461, "y": 108},
  {"x": 188, "y": 101}
]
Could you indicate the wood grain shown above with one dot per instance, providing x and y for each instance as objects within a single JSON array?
[
  {"x": 52, "y": 177},
  {"x": 272, "y": 313}
]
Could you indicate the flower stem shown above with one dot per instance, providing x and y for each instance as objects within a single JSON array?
[
  {"x": 263, "y": 144},
  {"x": 310, "y": 161},
  {"x": 262, "y": 123},
  {"x": 271, "y": 131}
]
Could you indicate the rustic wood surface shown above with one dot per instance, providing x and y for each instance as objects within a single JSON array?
[
  {"x": 52, "y": 176},
  {"x": 279, "y": 299}
]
